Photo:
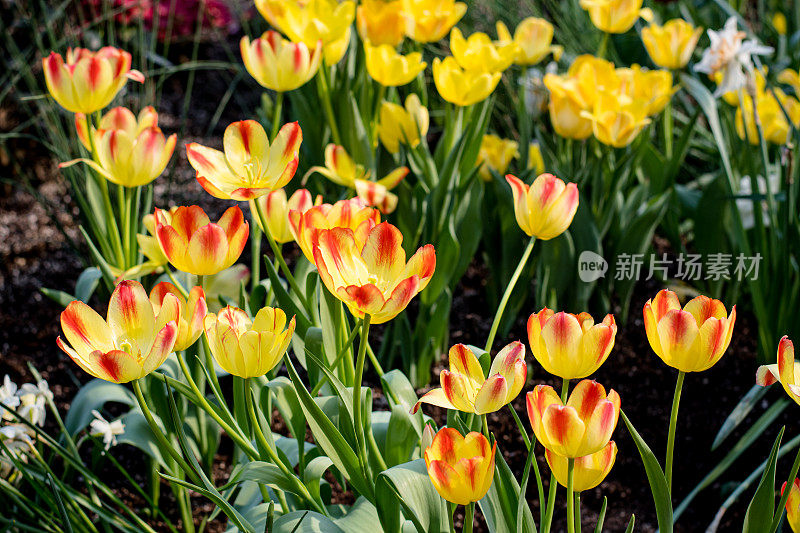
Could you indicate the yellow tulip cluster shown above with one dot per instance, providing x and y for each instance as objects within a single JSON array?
[{"x": 614, "y": 104}]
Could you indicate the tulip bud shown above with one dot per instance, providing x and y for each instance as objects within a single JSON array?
[
  {"x": 589, "y": 471},
  {"x": 546, "y": 208},
  {"x": 429, "y": 20},
  {"x": 671, "y": 45},
  {"x": 428, "y": 433},
  {"x": 390, "y": 68},
  {"x": 276, "y": 210},
  {"x": 192, "y": 312},
  {"x": 461, "y": 468},
  {"x": 462, "y": 87},
  {"x": 404, "y": 125},
  {"x": 278, "y": 64},
  {"x": 495, "y": 154}
]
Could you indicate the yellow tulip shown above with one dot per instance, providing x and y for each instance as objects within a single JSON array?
[
  {"x": 534, "y": 39},
  {"x": 478, "y": 52},
  {"x": 461, "y": 468},
  {"x": 390, "y": 68},
  {"x": 791, "y": 78},
  {"x": 775, "y": 127},
  {"x": 654, "y": 87},
  {"x": 671, "y": 45},
  {"x": 495, "y": 154},
  {"x": 403, "y": 125},
  {"x": 430, "y": 20},
  {"x": 274, "y": 11},
  {"x": 786, "y": 371},
  {"x": 779, "y": 23},
  {"x": 594, "y": 75},
  {"x": 544, "y": 209},
  {"x": 248, "y": 348},
  {"x": 566, "y": 107},
  {"x": 381, "y": 21},
  {"x": 616, "y": 121},
  {"x": 320, "y": 20},
  {"x": 615, "y": 16},
  {"x": 535, "y": 158},
  {"x": 462, "y": 87},
  {"x": 589, "y": 470},
  {"x": 276, "y": 210},
  {"x": 733, "y": 97},
  {"x": 279, "y": 64}
]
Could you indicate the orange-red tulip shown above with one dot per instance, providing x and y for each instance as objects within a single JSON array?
[
  {"x": 461, "y": 468},
  {"x": 546, "y": 208},
  {"x": 793, "y": 505},
  {"x": 193, "y": 310}
]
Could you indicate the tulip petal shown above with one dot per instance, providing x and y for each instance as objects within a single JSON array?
[
  {"x": 85, "y": 329},
  {"x": 434, "y": 397},
  {"x": 130, "y": 316},
  {"x": 492, "y": 395},
  {"x": 563, "y": 431},
  {"x": 208, "y": 249}
]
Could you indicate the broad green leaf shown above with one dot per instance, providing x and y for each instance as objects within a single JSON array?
[
  {"x": 407, "y": 489},
  {"x": 93, "y": 396},
  {"x": 260, "y": 472},
  {"x": 762, "y": 506},
  {"x": 501, "y": 503}
]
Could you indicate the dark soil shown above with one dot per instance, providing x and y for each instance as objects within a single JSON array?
[{"x": 34, "y": 253}]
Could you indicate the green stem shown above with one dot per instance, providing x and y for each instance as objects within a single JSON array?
[
  {"x": 603, "y": 48},
  {"x": 668, "y": 130},
  {"x": 255, "y": 252},
  {"x": 451, "y": 509},
  {"x": 357, "y": 424},
  {"x": 325, "y": 95},
  {"x": 209, "y": 359},
  {"x": 551, "y": 496},
  {"x": 111, "y": 220},
  {"x": 570, "y": 497},
  {"x": 578, "y": 520},
  {"x": 485, "y": 420},
  {"x": 673, "y": 419},
  {"x": 564, "y": 391},
  {"x": 174, "y": 280},
  {"x": 276, "y": 116},
  {"x": 469, "y": 518},
  {"x": 507, "y": 294}
]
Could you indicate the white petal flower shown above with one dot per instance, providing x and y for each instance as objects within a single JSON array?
[
  {"x": 8, "y": 398},
  {"x": 33, "y": 400},
  {"x": 100, "y": 427}
]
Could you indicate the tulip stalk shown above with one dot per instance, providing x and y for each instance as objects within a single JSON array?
[
  {"x": 673, "y": 420},
  {"x": 325, "y": 95},
  {"x": 277, "y": 110},
  {"x": 570, "y": 496},
  {"x": 507, "y": 294},
  {"x": 469, "y": 518},
  {"x": 357, "y": 423}
]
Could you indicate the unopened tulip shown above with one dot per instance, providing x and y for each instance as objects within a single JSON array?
[
  {"x": 128, "y": 151},
  {"x": 374, "y": 279},
  {"x": 466, "y": 388},
  {"x": 793, "y": 505},
  {"x": 478, "y": 52},
  {"x": 495, "y": 154},
  {"x": 88, "y": 81},
  {"x": 389, "y": 67},
  {"x": 566, "y": 106},
  {"x": 403, "y": 125},
  {"x": 546, "y": 208},
  {"x": 193, "y": 310},
  {"x": 250, "y": 166},
  {"x": 615, "y": 16},
  {"x": 461, "y": 468},
  {"x": 786, "y": 370},
  {"x": 248, "y": 348},
  {"x": 195, "y": 245},
  {"x": 671, "y": 45},
  {"x": 589, "y": 471},
  {"x": 570, "y": 346},
  {"x": 353, "y": 214},
  {"x": 381, "y": 21},
  {"x": 462, "y": 87},
  {"x": 327, "y": 21},
  {"x": 278, "y": 64},
  {"x": 535, "y": 158},
  {"x": 428, "y": 21},
  {"x": 276, "y": 210},
  {"x": 130, "y": 344},
  {"x": 534, "y": 39},
  {"x": 770, "y": 107},
  {"x": 581, "y": 427},
  {"x": 691, "y": 339},
  {"x": 616, "y": 121}
]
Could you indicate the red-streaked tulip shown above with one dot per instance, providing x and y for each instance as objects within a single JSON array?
[
  {"x": 544, "y": 209},
  {"x": 194, "y": 244},
  {"x": 88, "y": 81},
  {"x": 129, "y": 151},
  {"x": 276, "y": 210},
  {"x": 589, "y": 471},
  {"x": 353, "y": 214},
  {"x": 570, "y": 346},
  {"x": 374, "y": 279},
  {"x": 793, "y": 505},
  {"x": 132, "y": 342},
  {"x": 466, "y": 388},
  {"x": 193, "y": 310},
  {"x": 786, "y": 370},
  {"x": 691, "y": 339},
  {"x": 581, "y": 427},
  {"x": 250, "y": 166},
  {"x": 461, "y": 468},
  {"x": 248, "y": 348},
  {"x": 278, "y": 64}
]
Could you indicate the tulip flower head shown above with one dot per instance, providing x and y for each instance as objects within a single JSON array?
[
  {"x": 789, "y": 77},
  {"x": 793, "y": 505},
  {"x": 495, "y": 154},
  {"x": 535, "y": 158},
  {"x": 132, "y": 342},
  {"x": 691, "y": 339},
  {"x": 466, "y": 388},
  {"x": 373, "y": 279},
  {"x": 327, "y": 21},
  {"x": 786, "y": 370},
  {"x": 570, "y": 346},
  {"x": 192, "y": 312},
  {"x": 770, "y": 106},
  {"x": 534, "y": 39},
  {"x": 616, "y": 121},
  {"x": 478, "y": 53},
  {"x": 671, "y": 45},
  {"x": 651, "y": 87},
  {"x": 248, "y": 348},
  {"x": 250, "y": 166},
  {"x": 462, "y": 87},
  {"x": 195, "y": 245},
  {"x": 428, "y": 21},
  {"x": 590, "y": 470},
  {"x": 403, "y": 125},
  {"x": 566, "y": 106},
  {"x": 276, "y": 210},
  {"x": 278, "y": 64},
  {"x": 353, "y": 214},
  {"x": 88, "y": 81},
  {"x": 615, "y": 16},
  {"x": 129, "y": 151},
  {"x": 461, "y": 468},
  {"x": 544, "y": 209},
  {"x": 389, "y": 67},
  {"x": 381, "y": 21},
  {"x": 581, "y": 427}
]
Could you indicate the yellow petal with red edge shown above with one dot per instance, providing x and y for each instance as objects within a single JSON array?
[
  {"x": 664, "y": 301},
  {"x": 367, "y": 298},
  {"x": 702, "y": 308},
  {"x": 115, "y": 366},
  {"x": 130, "y": 316},
  {"x": 207, "y": 250},
  {"x": 283, "y": 153},
  {"x": 398, "y": 300},
  {"x": 463, "y": 361},
  {"x": 519, "y": 191},
  {"x": 393, "y": 178},
  {"x": 537, "y": 401},
  {"x": 510, "y": 363},
  {"x": 85, "y": 330},
  {"x": 162, "y": 347},
  {"x": 383, "y": 252},
  {"x": 561, "y": 335},
  {"x": 492, "y": 395},
  {"x": 246, "y": 144},
  {"x": 677, "y": 331},
  {"x": 422, "y": 265},
  {"x": 434, "y": 397},
  {"x": 563, "y": 431},
  {"x": 447, "y": 482},
  {"x": 456, "y": 390}
]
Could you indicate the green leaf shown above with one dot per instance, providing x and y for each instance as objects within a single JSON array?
[
  {"x": 360, "y": 514},
  {"x": 739, "y": 413},
  {"x": 313, "y": 473},
  {"x": 655, "y": 476},
  {"x": 762, "y": 506},
  {"x": 94, "y": 395},
  {"x": 87, "y": 283},
  {"x": 408, "y": 487},
  {"x": 501, "y": 503},
  {"x": 260, "y": 472},
  {"x": 60, "y": 297}
]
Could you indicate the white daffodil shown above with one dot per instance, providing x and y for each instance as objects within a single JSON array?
[
  {"x": 33, "y": 400},
  {"x": 8, "y": 398},
  {"x": 730, "y": 54},
  {"x": 100, "y": 427},
  {"x": 17, "y": 441}
]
